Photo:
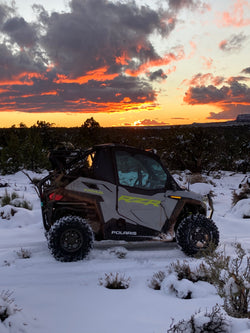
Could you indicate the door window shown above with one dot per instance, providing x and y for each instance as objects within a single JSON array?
[
  {"x": 140, "y": 171},
  {"x": 98, "y": 165}
]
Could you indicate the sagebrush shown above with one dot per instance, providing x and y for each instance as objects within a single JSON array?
[
  {"x": 115, "y": 281},
  {"x": 14, "y": 200},
  {"x": 156, "y": 280},
  {"x": 214, "y": 321},
  {"x": 7, "y": 305},
  {"x": 24, "y": 253},
  {"x": 231, "y": 277}
]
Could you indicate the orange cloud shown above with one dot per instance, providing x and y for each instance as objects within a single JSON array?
[
  {"x": 25, "y": 96},
  {"x": 99, "y": 74},
  {"x": 122, "y": 60},
  {"x": 56, "y": 93},
  {"x": 126, "y": 100},
  {"x": 236, "y": 16},
  {"x": 203, "y": 79},
  {"x": 22, "y": 79},
  {"x": 207, "y": 62},
  {"x": 151, "y": 122},
  {"x": 111, "y": 107},
  {"x": 80, "y": 105},
  {"x": 146, "y": 122},
  {"x": 193, "y": 49},
  {"x": 166, "y": 60},
  {"x": 49, "y": 93},
  {"x": 222, "y": 44},
  {"x": 3, "y": 90}
]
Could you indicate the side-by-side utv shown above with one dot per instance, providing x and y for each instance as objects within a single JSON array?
[{"x": 117, "y": 192}]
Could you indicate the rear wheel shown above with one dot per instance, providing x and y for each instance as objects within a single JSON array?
[
  {"x": 196, "y": 233},
  {"x": 70, "y": 238}
]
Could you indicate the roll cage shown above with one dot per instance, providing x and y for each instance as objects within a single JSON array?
[{"x": 106, "y": 162}]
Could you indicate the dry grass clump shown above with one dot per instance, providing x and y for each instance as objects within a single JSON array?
[
  {"x": 197, "y": 178},
  {"x": 242, "y": 193},
  {"x": 115, "y": 281}
]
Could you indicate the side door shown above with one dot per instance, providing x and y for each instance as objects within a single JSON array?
[{"x": 141, "y": 189}]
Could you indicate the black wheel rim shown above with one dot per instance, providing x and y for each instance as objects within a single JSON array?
[
  {"x": 71, "y": 240},
  {"x": 200, "y": 237}
]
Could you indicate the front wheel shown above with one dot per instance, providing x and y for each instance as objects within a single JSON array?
[
  {"x": 196, "y": 233},
  {"x": 70, "y": 238}
]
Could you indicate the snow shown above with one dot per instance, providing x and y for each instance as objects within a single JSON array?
[
  {"x": 201, "y": 188},
  {"x": 242, "y": 208},
  {"x": 68, "y": 297},
  {"x": 182, "y": 288}
]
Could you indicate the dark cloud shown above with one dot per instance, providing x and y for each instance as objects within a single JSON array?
[
  {"x": 20, "y": 31},
  {"x": 114, "y": 35},
  {"x": 91, "y": 58},
  {"x": 179, "y": 118},
  {"x": 232, "y": 99},
  {"x": 5, "y": 12},
  {"x": 201, "y": 79},
  {"x": 235, "y": 93},
  {"x": 43, "y": 94},
  {"x": 203, "y": 95},
  {"x": 177, "y": 5},
  {"x": 246, "y": 70},
  {"x": 157, "y": 75},
  {"x": 230, "y": 112},
  {"x": 13, "y": 65},
  {"x": 14, "y": 28},
  {"x": 237, "y": 79},
  {"x": 234, "y": 43}
]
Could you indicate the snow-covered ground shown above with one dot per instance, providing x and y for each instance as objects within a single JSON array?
[{"x": 68, "y": 298}]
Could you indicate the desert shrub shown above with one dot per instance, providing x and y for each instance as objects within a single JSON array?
[
  {"x": 21, "y": 203},
  {"x": 197, "y": 178},
  {"x": 214, "y": 321},
  {"x": 156, "y": 280},
  {"x": 7, "y": 306},
  {"x": 173, "y": 278},
  {"x": 181, "y": 279},
  {"x": 14, "y": 196},
  {"x": 26, "y": 205},
  {"x": 11, "y": 316},
  {"x": 115, "y": 281},
  {"x": 6, "y": 215},
  {"x": 231, "y": 277},
  {"x": 184, "y": 271},
  {"x": 14, "y": 200},
  {"x": 6, "y": 199},
  {"x": 24, "y": 253},
  {"x": 242, "y": 193}
]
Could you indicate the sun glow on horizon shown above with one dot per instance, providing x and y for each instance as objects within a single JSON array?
[{"x": 115, "y": 119}]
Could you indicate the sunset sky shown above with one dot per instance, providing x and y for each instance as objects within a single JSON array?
[{"x": 141, "y": 62}]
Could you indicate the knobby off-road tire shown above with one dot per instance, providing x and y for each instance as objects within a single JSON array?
[
  {"x": 70, "y": 238},
  {"x": 196, "y": 233}
]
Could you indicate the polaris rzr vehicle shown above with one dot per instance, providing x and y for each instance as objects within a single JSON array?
[{"x": 120, "y": 193}]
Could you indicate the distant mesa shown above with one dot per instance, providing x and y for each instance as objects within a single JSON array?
[{"x": 243, "y": 118}]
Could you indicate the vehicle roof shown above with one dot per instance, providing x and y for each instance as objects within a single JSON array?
[
  {"x": 110, "y": 144},
  {"x": 123, "y": 146}
]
